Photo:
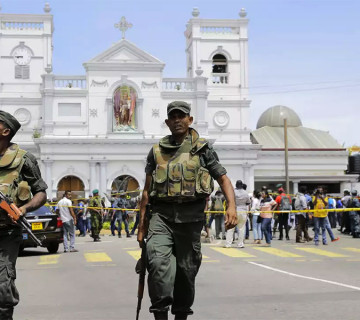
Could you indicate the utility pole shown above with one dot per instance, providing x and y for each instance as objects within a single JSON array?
[{"x": 286, "y": 157}]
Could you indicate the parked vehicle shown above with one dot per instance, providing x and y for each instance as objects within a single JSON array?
[{"x": 47, "y": 227}]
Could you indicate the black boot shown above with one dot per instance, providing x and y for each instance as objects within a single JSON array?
[
  {"x": 163, "y": 315},
  {"x": 181, "y": 316}
]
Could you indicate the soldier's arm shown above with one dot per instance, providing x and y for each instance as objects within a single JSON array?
[
  {"x": 38, "y": 200},
  {"x": 143, "y": 202},
  {"x": 31, "y": 173},
  {"x": 228, "y": 191}
]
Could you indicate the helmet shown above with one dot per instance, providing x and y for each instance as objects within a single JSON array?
[{"x": 354, "y": 192}]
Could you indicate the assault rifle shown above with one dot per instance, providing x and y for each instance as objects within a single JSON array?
[
  {"x": 15, "y": 214},
  {"x": 140, "y": 267}
]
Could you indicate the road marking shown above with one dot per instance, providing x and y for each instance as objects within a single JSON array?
[
  {"x": 352, "y": 249},
  {"x": 278, "y": 252},
  {"x": 233, "y": 252},
  {"x": 305, "y": 277},
  {"x": 97, "y": 257},
  {"x": 136, "y": 254},
  {"x": 51, "y": 259},
  {"x": 205, "y": 257},
  {"x": 322, "y": 252},
  {"x": 210, "y": 261}
]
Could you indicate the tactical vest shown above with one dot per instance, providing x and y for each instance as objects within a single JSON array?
[
  {"x": 11, "y": 184},
  {"x": 180, "y": 176}
]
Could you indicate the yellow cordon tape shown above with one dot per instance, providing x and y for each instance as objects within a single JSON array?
[{"x": 224, "y": 212}]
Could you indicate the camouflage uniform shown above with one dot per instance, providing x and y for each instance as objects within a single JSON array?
[
  {"x": 182, "y": 180},
  {"x": 96, "y": 217},
  {"x": 17, "y": 166}
]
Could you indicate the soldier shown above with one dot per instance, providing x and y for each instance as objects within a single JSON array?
[
  {"x": 179, "y": 174},
  {"x": 19, "y": 178},
  {"x": 96, "y": 215}
]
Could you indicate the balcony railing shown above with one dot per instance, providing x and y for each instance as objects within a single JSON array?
[
  {"x": 13, "y": 25},
  {"x": 70, "y": 82},
  {"x": 178, "y": 84},
  {"x": 220, "y": 78},
  {"x": 217, "y": 30}
]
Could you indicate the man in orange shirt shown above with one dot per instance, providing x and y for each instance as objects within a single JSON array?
[{"x": 283, "y": 204}]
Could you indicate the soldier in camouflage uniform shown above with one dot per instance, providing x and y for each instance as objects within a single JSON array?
[
  {"x": 19, "y": 179},
  {"x": 179, "y": 174},
  {"x": 96, "y": 215}
]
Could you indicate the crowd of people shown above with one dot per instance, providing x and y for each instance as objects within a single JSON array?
[
  {"x": 266, "y": 212},
  {"x": 88, "y": 216}
]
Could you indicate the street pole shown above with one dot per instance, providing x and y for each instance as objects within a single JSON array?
[{"x": 286, "y": 157}]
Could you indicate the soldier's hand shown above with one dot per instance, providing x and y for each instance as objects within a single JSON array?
[
  {"x": 230, "y": 218},
  {"x": 140, "y": 237}
]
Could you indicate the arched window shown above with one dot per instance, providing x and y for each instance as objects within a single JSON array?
[
  {"x": 124, "y": 104},
  {"x": 219, "y": 69},
  {"x": 73, "y": 184}
]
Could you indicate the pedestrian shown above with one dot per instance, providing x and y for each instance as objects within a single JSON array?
[
  {"x": 217, "y": 204},
  {"x": 345, "y": 219},
  {"x": 96, "y": 215},
  {"x": 81, "y": 218},
  {"x": 354, "y": 215},
  {"x": 180, "y": 167},
  {"x": 121, "y": 215},
  {"x": 267, "y": 204},
  {"x": 332, "y": 214},
  {"x": 301, "y": 204},
  {"x": 68, "y": 218},
  {"x": 242, "y": 201},
  {"x": 320, "y": 203},
  {"x": 19, "y": 172},
  {"x": 256, "y": 219},
  {"x": 284, "y": 204}
]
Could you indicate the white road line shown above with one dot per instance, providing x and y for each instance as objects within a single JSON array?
[{"x": 305, "y": 277}]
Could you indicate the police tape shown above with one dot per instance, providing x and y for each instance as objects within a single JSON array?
[{"x": 224, "y": 212}]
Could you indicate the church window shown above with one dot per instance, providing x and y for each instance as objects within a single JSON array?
[
  {"x": 124, "y": 109},
  {"x": 219, "y": 69}
]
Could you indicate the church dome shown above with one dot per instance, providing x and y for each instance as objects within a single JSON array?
[{"x": 274, "y": 117}]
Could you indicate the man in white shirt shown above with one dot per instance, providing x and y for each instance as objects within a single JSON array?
[{"x": 68, "y": 218}]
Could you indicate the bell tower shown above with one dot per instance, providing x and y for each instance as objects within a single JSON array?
[
  {"x": 219, "y": 48},
  {"x": 25, "y": 49}
]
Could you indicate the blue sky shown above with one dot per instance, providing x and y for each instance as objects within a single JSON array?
[{"x": 304, "y": 54}]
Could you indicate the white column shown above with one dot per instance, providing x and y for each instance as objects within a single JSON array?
[
  {"x": 48, "y": 177},
  {"x": 92, "y": 165},
  {"x": 295, "y": 187},
  {"x": 246, "y": 176},
  {"x": 103, "y": 176}
]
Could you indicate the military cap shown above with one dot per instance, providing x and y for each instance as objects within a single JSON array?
[
  {"x": 10, "y": 120},
  {"x": 95, "y": 191},
  {"x": 179, "y": 105}
]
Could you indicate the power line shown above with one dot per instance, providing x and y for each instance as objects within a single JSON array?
[
  {"x": 302, "y": 90},
  {"x": 302, "y": 84}
]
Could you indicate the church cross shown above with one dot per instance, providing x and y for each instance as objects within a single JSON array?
[{"x": 123, "y": 25}]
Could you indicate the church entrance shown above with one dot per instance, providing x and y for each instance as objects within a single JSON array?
[
  {"x": 125, "y": 183},
  {"x": 73, "y": 184}
]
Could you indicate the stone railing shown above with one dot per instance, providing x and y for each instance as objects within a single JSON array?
[
  {"x": 220, "y": 78},
  {"x": 178, "y": 84},
  {"x": 222, "y": 30},
  {"x": 13, "y": 25},
  {"x": 70, "y": 82}
]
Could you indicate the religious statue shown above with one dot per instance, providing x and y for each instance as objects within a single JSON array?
[{"x": 124, "y": 104}]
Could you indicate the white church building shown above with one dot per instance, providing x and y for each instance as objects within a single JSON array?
[{"x": 95, "y": 130}]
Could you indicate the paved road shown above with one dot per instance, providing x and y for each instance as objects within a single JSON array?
[{"x": 286, "y": 281}]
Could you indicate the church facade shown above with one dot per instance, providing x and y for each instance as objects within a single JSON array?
[{"x": 95, "y": 130}]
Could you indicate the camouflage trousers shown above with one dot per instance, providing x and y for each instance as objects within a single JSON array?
[
  {"x": 96, "y": 224},
  {"x": 174, "y": 258},
  {"x": 10, "y": 240}
]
